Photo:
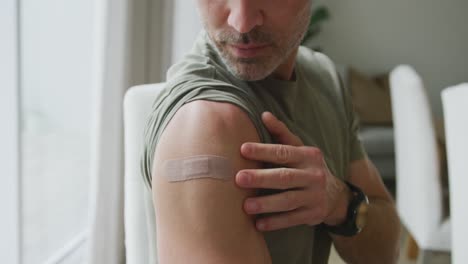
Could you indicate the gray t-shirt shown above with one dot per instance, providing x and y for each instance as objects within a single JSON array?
[{"x": 314, "y": 106}]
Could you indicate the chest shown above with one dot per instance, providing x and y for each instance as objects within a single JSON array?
[{"x": 320, "y": 121}]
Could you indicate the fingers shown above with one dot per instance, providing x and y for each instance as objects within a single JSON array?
[
  {"x": 280, "y": 202},
  {"x": 278, "y": 178},
  {"x": 280, "y": 131},
  {"x": 275, "y": 203},
  {"x": 289, "y": 219},
  {"x": 273, "y": 153}
]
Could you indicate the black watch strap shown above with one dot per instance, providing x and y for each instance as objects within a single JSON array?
[{"x": 349, "y": 227}]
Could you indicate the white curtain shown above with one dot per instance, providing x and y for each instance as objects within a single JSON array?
[{"x": 132, "y": 38}]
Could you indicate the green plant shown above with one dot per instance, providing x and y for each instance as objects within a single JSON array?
[{"x": 319, "y": 15}]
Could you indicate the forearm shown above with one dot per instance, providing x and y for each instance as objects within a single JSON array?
[{"x": 378, "y": 241}]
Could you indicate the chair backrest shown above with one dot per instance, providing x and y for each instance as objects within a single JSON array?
[
  {"x": 418, "y": 186},
  {"x": 140, "y": 227},
  {"x": 455, "y": 104}
]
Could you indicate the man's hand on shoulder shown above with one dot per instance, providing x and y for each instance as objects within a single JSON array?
[
  {"x": 202, "y": 220},
  {"x": 311, "y": 194}
]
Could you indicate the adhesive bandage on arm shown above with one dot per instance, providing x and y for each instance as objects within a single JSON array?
[{"x": 195, "y": 167}]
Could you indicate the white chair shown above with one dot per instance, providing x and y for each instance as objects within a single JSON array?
[
  {"x": 140, "y": 227},
  {"x": 418, "y": 181},
  {"x": 455, "y": 104}
]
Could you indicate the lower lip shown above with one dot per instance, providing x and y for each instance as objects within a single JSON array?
[{"x": 248, "y": 53}]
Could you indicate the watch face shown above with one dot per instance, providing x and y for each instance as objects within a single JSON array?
[{"x": 361, "y": 217}]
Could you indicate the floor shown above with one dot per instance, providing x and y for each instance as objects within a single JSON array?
[{"x": 434, "y": 257}]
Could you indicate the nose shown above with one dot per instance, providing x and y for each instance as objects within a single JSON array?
[{"x": 244, "y": 15}]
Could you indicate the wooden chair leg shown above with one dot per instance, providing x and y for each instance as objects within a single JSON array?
[{"x": 412, "y": 249}]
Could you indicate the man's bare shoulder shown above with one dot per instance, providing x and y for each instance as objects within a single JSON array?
[
  {"x": 221, "y": 125},
  {"x": 204, "y": 216}
]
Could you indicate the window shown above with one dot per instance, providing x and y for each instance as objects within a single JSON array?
[{"x": 48, "y": 181}]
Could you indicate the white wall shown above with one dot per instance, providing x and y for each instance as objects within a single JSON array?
[
  {"x": 186, "y": 26},
  {"x": 375, "y": 36}
]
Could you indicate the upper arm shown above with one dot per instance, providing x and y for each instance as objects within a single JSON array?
[{"x": 202, "y": 220}]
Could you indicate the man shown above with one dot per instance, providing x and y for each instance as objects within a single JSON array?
[{"x": 252, "y": 152}]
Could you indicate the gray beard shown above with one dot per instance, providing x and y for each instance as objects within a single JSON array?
[{"x": 251, "y": 69}]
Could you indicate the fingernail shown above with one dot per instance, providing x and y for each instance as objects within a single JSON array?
[
  {"x": 246, "y": 148},
  {"x": 243, "y": 178},
  {"x": 272, "y": 115},
  {"x": 252, "y": 206},
  {"x": 261, "y": 225}
]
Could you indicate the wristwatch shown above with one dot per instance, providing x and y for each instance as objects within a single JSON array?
[{"x": 356, "y": 215}]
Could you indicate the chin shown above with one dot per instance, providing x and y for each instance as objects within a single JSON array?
[
  {"x": 250, "y": 74},
  {"x": 251, "y": 71}
]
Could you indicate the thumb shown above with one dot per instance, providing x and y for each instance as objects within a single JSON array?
[{"x": 280, "y": 131}]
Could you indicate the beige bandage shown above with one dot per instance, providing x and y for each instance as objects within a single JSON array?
[{"x": 195, "y": 167}]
